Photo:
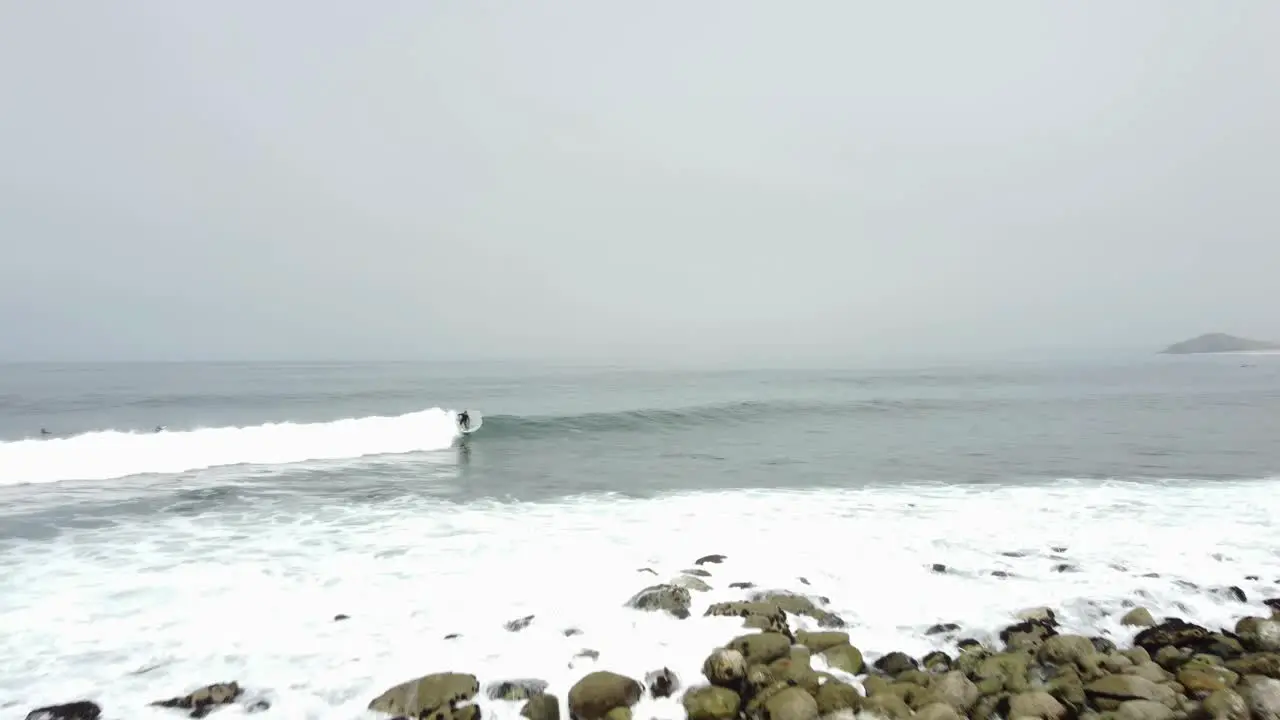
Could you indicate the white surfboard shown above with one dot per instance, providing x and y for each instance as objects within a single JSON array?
[{"x": 476, "y": 421}]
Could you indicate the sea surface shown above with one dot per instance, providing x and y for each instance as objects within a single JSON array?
[{"x": 138, "y": 565}]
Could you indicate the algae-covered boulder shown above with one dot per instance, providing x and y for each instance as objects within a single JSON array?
[
  {"x": 1143, "y": 710},
  {"x": 1036, "y": 704},
  {"x": 203, "y": 701},
  {"x": 762, "y": 647},
  {"x": 844, "y": 657},
  {"x": 427, "y": 693},
  {"x": 592, "y": 697},
  {"x": 791, "y": 703},
  {"x": 1138, "y": 617},
  {"x": 758, "y": 615},
  {"x": 542, "y": 707},
  {"x": 954, "y": 689},
  {"x": 834, "y": 696},
  {"x": 819, "y": 641},
  {"x": 725, "y": 667},
  {"x": 1202, "y": 679},
  {"x": 937, "y": 711},
  {"x": 799, "y": 605},
  {"x": 1259, "y": 634},
  {"x": 1171, "y": 633},
  {"x": 711, "y": 703},
  {"x": 1262, "y": 696},
  {"x": 895, "y": 663},
  {"x": 1109, "y": 691},
  {"x": 669, "y": 598},
  {"x": 1225, "y": 705}
]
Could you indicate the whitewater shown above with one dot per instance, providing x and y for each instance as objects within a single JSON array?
[{"x": 115, "y": 454}]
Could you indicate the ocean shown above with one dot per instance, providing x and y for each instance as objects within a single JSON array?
[{"x": 138, "y": 565}]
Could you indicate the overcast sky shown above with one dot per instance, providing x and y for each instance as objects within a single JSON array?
[{"x": 226, "y": 180}]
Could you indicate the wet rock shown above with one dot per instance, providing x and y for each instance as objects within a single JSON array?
[
  {"x": 570, "y": 632},
  {"x": 689, "y": 582},
  {"x": 835, "y": 696},
  {"x": 1075, "y": 649},
  {"x": 78, "y": 710},
  {"x": 1174, "y": 633},
  {"x": 1138, "y": 617},
  {"x": 791, "y": 703},
  {"x": 936, "y": 662},
  {"x": 518, "y": 624},
  {"x": 762, "y": 647},
  {"x": 521, "y": 689},
  {"x": 711, "y": 703},
  {"x": 1143, "y": 710},
  {"x": 725, "y": 668},
  {"x": 819, "y": 641},
  {"x": 1262, "y": 697},
  {"x": 1109, "y": 691},
  {"x": 671, "y": 599},
  {"x": 426, "y": 694},
  {"x": 742, "y": 585},
  {"x": 1036, "y": 704},
  {"x": 844, "y": 657},
  {"x": 938, "y": 568},
  {"x": 662, "y": 683},
  {"x": 1200, "y": 679},
  {"x": 956, "y": 690},
  {"x": 942, "y": 628},
  {"x": 1232, "y": 592},
  {"x": 887, "y": 705},
  {"x": 205, "y": 700},
  {"x": 696, "y": 572},
  {"x": 1265, "y": 664},
  {"x": 895, "y": 663},
  {"x": 592, "y": 697},
  {"x": 340, "y": 617},
  {"x": 541, "y": 707},
  {"x": 1259, "y": 634},
  {"x": 937, "y": 711},
  {"x": 758, "y": 615},
  {"x": 799, "y": 605},
  {"x": 713, "y": 559},
  {"x": 1225, "y": 705},
  {"x": 651, "y": 571},
  {"x": 1027, "y": 635},
  {"x": 452, "y": 636}
]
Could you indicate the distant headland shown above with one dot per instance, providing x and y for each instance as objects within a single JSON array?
[{"x": 1218, "y": 343}]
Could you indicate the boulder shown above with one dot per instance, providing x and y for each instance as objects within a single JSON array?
[
  {"x": 799, "y": 605},
  {"x": 834, "y": 696},
  {"x": 1143, "y": 710},
  {"x": 895, "y": 663},
  {"x": 819, "y": 641},
  {"x": 762, "y": 647},
  {"x": 427, "y": 693},
  {"x": 759, "y": 615},
  {"x": 592, "y": 697},
  {"x": 1138, "y": 617},
  {"x": 1262, "y": 696},
  {"x": 844, "y": 657},
  {"x": 937, "y": 711},
  {"x": 1259, "y": 634},
  {"x": 725, "y": 668},
  {"x": 791, "y": 703},
  {"x": 711, "y": 703},
  {"x": 671, "y": 599},
  {"x": 1036, "y": 704},
  {"x": 541, "y": 707},
  {"x": 956, "y": 690},
  {"x": 1171, "y": 633},
  {"x": 203, "y": 701},
  {"x": 1225, "y": 705},
  {"x": 1201, "y": 680},
  {"x": 1109, "y": 691},
  {"x": 78, "y": 710}
]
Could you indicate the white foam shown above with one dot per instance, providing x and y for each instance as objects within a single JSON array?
[
  {"x": 112, "y": 454},
  {"x": 251, "y": 598}
]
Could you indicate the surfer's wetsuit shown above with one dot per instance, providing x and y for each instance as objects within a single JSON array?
[{"x": 464, "y": 420}]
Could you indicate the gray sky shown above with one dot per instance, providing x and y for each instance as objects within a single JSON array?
[{"x": 601, "y": 180}]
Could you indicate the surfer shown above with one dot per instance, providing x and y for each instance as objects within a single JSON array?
[{"x": 464, "y": 419}]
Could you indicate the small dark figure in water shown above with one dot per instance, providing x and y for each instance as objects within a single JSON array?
[
  {"x": 159, "y": 428},
  {"x": 45, "y": 431},
  {"x": 464, "y": 419}
]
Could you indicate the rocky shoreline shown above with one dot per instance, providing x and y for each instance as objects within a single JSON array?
[{"x": 1172, "y": 669}]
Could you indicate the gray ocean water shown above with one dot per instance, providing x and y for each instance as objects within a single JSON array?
[
  {"x": 557, "y": 432},
  {"x": 280, "y": 495}
]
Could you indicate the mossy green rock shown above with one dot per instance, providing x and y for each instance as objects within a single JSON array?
[
  {"x": 1201, "y": 680},
  {"x": 791, "y": 704},
  {"x": 592, "y": 697},
  {"x": 427, "y": 693},
  {"x": 844, "y": 657},
  {"x": 833, "y": 696},
  {"x": 542, "y": 707},
  {"x": 711, "y": 703},
  {"x": 819, "y": 641},
  {"x": 725, "y": 667},
  {"x": 762, "y": 647}
]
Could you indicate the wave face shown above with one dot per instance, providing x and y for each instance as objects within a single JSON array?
[{"x": 113, "y": 454}]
